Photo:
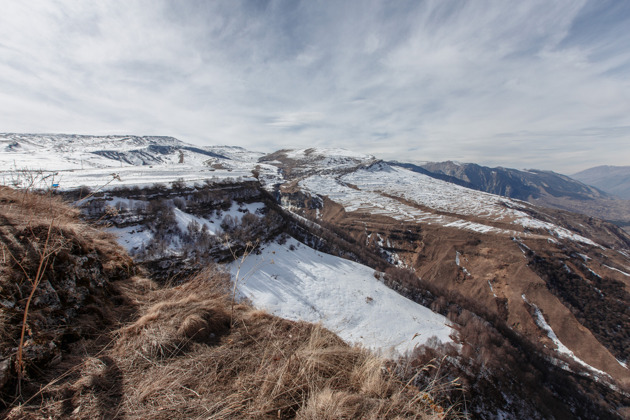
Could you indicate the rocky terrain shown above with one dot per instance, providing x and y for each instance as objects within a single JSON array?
[{"x": 105, "y": 341}]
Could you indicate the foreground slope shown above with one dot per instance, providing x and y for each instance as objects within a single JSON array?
[{"x": 539, "y": 297}]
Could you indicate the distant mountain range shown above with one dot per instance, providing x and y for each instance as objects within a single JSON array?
[
  {"x": 612, "y": 179},
  {"x": 544, "y": 188}
]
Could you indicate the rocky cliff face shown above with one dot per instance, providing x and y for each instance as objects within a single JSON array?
[{"x": 60, "y": 268}]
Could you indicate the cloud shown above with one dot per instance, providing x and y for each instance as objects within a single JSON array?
[
  {"x": 296, "y": 119},
  {"x": 532, "y": 84}
]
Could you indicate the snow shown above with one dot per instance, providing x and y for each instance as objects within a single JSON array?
[
  {"x": 616, "y": 269},
  {"x": 457, "y": 261},
  {"x": 327, "y": 153},
  {"x": 326, "y": 160},
  {"x": 492, "y": 289},
  {"x": 110, "y": 161},
  {"x": 183, "y": 219},
  {"x": 298, "y": 283},
  {"x": 413, "y": 197},
  {"x": 561, "y": 348},
  {"x": 73, "y": 161},
  {"x": 132, "y": 238}
]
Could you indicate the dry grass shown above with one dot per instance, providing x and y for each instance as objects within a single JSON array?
[
  {"x": 52, "y": 266},
  {"x": 180, "y": 359}
]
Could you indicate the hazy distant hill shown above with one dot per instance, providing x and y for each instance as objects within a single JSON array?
[{"x": 612, "y": 179}]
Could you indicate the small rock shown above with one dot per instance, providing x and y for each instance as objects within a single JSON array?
[{"x": 5, "y": 370}]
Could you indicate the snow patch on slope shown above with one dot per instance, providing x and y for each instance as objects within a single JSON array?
[
  {"x": 296, "y": 282},
  {"x": 616, "y": 269},
  {"x": 560, "y": 348},
  {"x": 403, "y": 195}
]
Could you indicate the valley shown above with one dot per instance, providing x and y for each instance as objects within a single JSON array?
[{"x": 526, "y": 304}]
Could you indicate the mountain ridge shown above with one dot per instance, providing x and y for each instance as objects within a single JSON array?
[
  {"x": 544, "y": 188},
  {"x": 613, "y": 179}
]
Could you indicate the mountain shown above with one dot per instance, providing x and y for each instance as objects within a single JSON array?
[
  {"x": 527, "y": 306},
  {"x": 105, "y": 341},
  {"x": 612, "y": 179},
  {"x": 525, "y": 269},
  {"x": 524, "y": 185},
  {"x": 544, "y": 188}
]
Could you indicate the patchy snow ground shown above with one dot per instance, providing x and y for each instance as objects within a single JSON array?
[
  {"x": 560, "y": 348},
  {"x": 616, "y": 269},
  {"x": 133, "y": 238},
  {"x": 382, "y": 187},
  {"x": 296, "y": 282},
  {"x": 72, "y": 161}
]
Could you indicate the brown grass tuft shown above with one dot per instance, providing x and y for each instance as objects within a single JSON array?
[
  {"x": 180, "y": 359},
  {"x": 169, "y": 327}
]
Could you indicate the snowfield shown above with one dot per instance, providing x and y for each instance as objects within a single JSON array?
[{"x": 296, "y": 282}]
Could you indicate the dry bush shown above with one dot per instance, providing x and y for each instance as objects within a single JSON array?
[{"x": 169, "y": 327}]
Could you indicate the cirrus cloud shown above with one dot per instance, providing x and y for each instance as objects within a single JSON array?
[{"x": 534, "y": 84}]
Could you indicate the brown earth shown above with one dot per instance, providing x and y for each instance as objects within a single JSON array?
[{"x": 498, "y": 259}]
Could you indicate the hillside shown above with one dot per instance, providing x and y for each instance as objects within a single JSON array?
[
  {"x": 543, "y": 188},
  {"x": 612, "y": 179},
  {"x": 526, "y": 305},
  {"x": 103, "y": 343},
  {"x": 480, "y": 253}
]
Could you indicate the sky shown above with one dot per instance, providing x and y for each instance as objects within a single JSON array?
[{"x": 522, "y": 84}]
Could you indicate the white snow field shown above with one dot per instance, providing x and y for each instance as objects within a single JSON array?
[{"x": 296, "y": 282}]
